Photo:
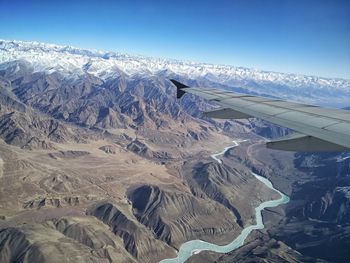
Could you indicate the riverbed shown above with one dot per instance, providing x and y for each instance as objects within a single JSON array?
[{"x": 196, "y": 246}]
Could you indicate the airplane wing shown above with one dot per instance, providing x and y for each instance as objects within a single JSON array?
[{"x": 316, "y": 129}]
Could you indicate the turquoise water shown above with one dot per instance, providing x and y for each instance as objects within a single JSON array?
[
  {"x": 196, "y": 246},
  {"x": 215, "y": 156}
]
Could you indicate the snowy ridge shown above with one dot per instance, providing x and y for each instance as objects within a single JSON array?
[
  {"x": 48, "y": 57},
  {"x": 75, "y": 62}
]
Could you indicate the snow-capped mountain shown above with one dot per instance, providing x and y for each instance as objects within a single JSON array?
[{"x": 75, "y": 61}]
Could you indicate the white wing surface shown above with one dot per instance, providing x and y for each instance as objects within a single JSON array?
[{"x": 317, "y": 129}]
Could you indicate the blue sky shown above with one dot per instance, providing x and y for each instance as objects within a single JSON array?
[{"x": 299, "y": 36}]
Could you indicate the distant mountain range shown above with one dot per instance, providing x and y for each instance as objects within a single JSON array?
[{"x": 75, "y": 62}]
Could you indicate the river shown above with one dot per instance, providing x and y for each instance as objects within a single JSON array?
[{"x": 196, "y": 246}]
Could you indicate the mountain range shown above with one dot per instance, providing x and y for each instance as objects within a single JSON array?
[
  {"x": 74, "y": 62},
  {"x": 99, "y": 162}
]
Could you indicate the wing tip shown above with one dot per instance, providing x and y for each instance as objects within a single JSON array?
[{"x": 179, "y": 88}]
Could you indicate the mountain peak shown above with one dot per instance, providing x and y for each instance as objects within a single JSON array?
[{"x": 74, "y": 61}]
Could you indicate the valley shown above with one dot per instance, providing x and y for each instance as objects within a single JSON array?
[
  {"x": 100, "y": 163},
  {"x": 194, "y": 247}
]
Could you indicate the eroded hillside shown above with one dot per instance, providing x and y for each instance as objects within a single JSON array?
[{"x": 91, "y": 165}]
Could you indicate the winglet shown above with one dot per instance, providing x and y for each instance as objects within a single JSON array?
[{"x": 179, "y": 87}]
